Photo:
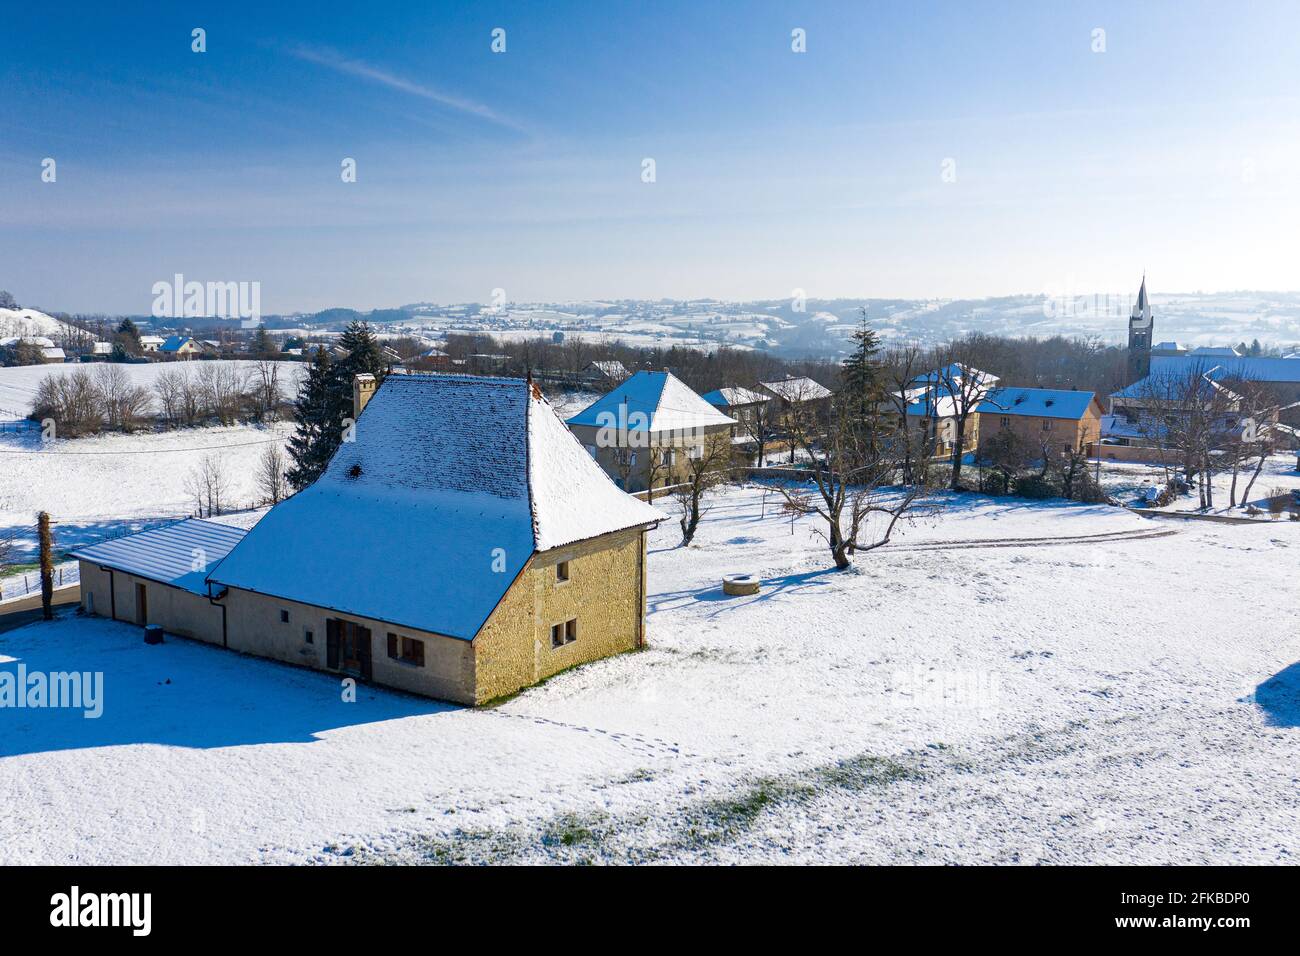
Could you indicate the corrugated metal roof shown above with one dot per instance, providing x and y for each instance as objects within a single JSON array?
[
  {"x": 179, "y": 554},
  {"x": 1036, "y": 402}
]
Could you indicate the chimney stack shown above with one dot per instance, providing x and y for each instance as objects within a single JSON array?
[{"x": 363, "y": 389}]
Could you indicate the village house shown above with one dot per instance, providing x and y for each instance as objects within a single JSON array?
[
  {"x": 604, "y": 374},
  {"x": 645, "y": 432},
  {"x": 462, "y": 547},
  {"x": 151, "y": 343},
  {"x": 1047, "y": 419},
  {"x": 742, "y": 404},
  {"x": 801, "y": 393},
  {"x": 30, "y": 350},
  {"x": 935, "y": 402},
  {"x": 179, "y": 347}
]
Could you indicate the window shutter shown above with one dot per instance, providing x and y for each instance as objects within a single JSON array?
[{"x": 332, "y": 643}]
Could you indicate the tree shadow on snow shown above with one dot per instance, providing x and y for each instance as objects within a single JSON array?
[
  {"x": 1279, "y": 697},
  {"x": 181, "y": 693}
]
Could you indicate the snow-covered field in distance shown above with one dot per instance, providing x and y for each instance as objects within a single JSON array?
[
  {"x": 965, "y": 696},
  {"x": 18, "y": 385},
  {"x": 113, "y": 483}
]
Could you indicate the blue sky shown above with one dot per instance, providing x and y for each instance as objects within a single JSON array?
[{"x": 1175, "y": 150}]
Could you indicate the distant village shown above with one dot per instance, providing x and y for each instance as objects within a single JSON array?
[{"x": 541, "y": 519}]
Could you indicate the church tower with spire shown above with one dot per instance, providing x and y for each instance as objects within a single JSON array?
[{"x": 1140, "y": 329}]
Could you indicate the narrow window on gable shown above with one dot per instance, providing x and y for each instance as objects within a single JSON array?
[
  {"x": 562, "y": 572},
  {"x": 284, "y": 616}
]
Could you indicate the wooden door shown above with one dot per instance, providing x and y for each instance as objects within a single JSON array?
[
  {"x": 141, "y": 605},
  {"x": 347, "y": 647}
]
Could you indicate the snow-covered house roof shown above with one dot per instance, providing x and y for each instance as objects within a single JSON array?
[
  {"x": 612, "y": 368},
  {"x": 151, "y": 341},
  {"x": 1036, "y": 402},
  {"x": 733, "y": 397},
  {"x": 940, "y": 392},
  {"x": 802, "y": 389},
  {"x": 102, "y": 348},
  {"x": 653, "y": 402},
  {"x": 1219, "y": 350},
  {"x": 179, "y": 554},
  {"x": 426, "y": 519},
  {"x": 174, "y": 343},
  {"x": 1246, "y": 368}
]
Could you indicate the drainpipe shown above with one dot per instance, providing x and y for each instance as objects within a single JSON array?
[{"x": 225, "y": 642}]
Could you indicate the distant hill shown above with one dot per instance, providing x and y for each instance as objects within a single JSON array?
[
  {"x": 344, "y": 316},
  {"x": 29, "y": 322}
]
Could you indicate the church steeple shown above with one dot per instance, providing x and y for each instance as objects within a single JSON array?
[{"x": 1140, "y": 327}]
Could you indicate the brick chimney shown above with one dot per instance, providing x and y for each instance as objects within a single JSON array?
[{"x": 363, "y": 389}]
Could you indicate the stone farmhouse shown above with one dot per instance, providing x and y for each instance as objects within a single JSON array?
[{"x": 462, "y": 547}]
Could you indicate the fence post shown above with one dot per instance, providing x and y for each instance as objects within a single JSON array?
[{"x": 47, "y": 567}]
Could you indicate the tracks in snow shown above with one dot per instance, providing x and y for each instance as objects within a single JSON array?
[{"x": 1103, "y": 538}]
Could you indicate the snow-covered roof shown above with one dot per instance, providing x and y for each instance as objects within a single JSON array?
[
  {"x": 1036, "y": 402},
  {"x": 610, "y": 369},
  {"x": 178, "y": 554},
  {"x": 1243, "y": 367},
  {"x": 801, "y": 389},
  {"x": 730, "y": 397},
  {"x": 425, "y": 520},
  {"x": 1220, "y": 350},
  {"x": 654, "y": 402}
]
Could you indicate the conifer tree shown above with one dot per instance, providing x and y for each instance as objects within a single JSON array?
[
  {"x": 861, "y": 372},
  {"x": 319, "y": 426}
]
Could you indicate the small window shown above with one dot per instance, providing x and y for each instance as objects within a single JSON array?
[
  {"x": 409, "y": 650},
  {"x": 1005, "y": 421},
  {"x": 1047, "y": 424},
  {"x": 284, "y": 616},
  {"x": 565, "y": 633},
  {"x": 695, "y": 452},
  {"x": 562, "y": 572},
  {"x": 309, "y": 637}
]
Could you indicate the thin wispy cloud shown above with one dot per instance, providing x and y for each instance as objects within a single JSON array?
[{"x": 341, "y": 63}]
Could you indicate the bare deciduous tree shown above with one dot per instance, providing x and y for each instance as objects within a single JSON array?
[
  {"x": 708, "y": 465},
  {"x": 855, "y": 479},
  {"x": 208, "y": 486},
  {"x": 271, "y": 475}
]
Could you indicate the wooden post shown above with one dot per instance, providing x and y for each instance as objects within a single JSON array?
[{"x": 47, "y": 566}]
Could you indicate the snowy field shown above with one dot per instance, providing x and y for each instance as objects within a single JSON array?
[
  {"x": 1010, "y": 683},
  {"x": 110, "y": 484},
  {"x": 18, "y": 385}
]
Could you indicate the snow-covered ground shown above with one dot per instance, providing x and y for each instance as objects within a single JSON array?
[
  {"x": 1009, "y": 682},
  {"x": 1127, "y": 481},
  {"x": 18, "y": 385},
  {"x": 110, "y": 484}
]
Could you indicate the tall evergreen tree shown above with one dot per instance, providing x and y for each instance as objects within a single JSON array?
[
  {"x": 860, "y": 372},
  {"x": 319, "y": 426},
  {"x": 364, "y": 355}
]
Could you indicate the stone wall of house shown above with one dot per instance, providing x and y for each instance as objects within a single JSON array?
[
  {"x": 638, "y": 474},
  {"x": 254, "y": 625},
  {"x": 177, "y": 611},
  {"x": 605, "y": 594},
  {"x": 1074, "y": 433}
]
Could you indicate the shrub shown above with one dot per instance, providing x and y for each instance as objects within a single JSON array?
[{"x": 1035, "y": 487}]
